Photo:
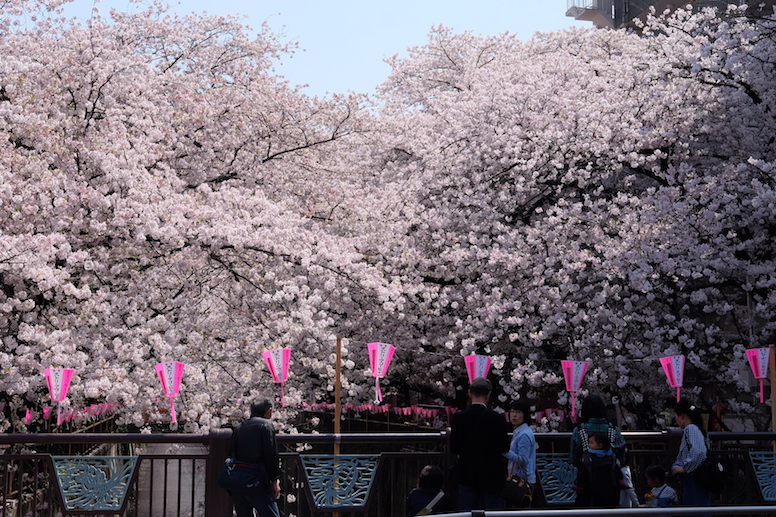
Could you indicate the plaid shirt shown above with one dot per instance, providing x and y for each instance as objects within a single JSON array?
[
  {"x": 595, "y": 425},
  {"x": 692, "y": 450}
]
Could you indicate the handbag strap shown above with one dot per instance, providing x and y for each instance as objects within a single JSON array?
[{"x": 435, "y": 500}]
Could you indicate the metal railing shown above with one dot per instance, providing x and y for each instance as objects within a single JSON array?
[
  {"x": 619, "y": 512},
  {"x": 176, "y": 473}
]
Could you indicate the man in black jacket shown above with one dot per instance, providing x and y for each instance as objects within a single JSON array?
[
  {"x": 253, "y": 442},
  {"x": 479, "y": 436}
]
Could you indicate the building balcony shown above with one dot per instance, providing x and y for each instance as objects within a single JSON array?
[{"x": 600, "y": 12}]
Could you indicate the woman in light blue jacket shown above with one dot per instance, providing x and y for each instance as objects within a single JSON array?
[{"x": 522, "y": 450}]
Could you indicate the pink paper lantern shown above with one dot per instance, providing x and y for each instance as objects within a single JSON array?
[
  {"x": 573, "y": 373},
  {"x": 759, "y": 358},
  {"x": 673, "y": 365},
  {"x": 380, "y": 355},
  {"x": 477, "y": 366},
  {"x": 277, "y": 361},
  {"x": 170, "y": 375},
  {"x": 58, "y": 382}
]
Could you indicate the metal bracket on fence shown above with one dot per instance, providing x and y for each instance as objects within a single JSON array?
[
  {"x": 557, "y": 477},
  {"x": 342, "y": 481},
  {"x": 94, "y": 483},
  {"x": 764, "y": 465}
]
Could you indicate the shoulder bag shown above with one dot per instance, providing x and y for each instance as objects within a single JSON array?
[{"x": 711, "y": 473}]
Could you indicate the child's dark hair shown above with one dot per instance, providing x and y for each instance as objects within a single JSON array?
[
  {"x": 656, "y": 472},
  {"x": 431, "y": 476},
  {"x": 602, "y": 440}
]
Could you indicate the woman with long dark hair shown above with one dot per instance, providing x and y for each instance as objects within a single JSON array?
[
  {"x": 593, "y": 421},
  {"x": 692, "y": 453}
]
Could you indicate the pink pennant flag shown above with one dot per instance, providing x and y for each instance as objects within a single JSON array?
[
  {"x": 380, "y": 355},
  {"x": 30, "y": 416},
  {"x": 46, "y": 412},
  {"x": 477, "y": 366},
  {"x": 673, "y": 365},
  {"x": 170, "y": 375},
  {"x": 277, "y": 361},
  {"x": 58, "y": 382},
  {"x": 573, "y": 373},
  {"x": 759, "y": 358}
]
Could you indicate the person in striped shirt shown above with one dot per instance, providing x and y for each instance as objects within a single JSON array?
[{"x": 692, "y": 453}]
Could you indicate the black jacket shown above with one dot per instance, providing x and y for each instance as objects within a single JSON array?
[
  {"x": 480, "y": 437},
  {"x": 253, "y": 441}
]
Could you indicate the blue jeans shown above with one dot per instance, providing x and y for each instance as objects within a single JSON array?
[
  {"x": 473, "y": 499},
  {"x": 693, "y": 494},
  {"x": 246, "y": 500}
]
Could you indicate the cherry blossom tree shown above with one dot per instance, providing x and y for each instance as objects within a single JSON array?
[
  {"x": 595, "y": 195},
  {"x": 166, "y": 196},
  {"x": 587, "y": 194}
]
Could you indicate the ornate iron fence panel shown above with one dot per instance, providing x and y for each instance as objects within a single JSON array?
[
  {"x": 764, "y": 465},
  {"x": 340, "y": 481},
  {"x": 557, "y": 476},
  {"x": 94, "y": 483}
]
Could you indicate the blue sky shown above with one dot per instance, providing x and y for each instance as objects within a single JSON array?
[{"x": 343, "y": 42}]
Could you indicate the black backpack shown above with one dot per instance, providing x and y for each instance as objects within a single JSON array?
[{"x": 711, "y": 473}]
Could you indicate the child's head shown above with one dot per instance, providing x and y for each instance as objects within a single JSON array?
[
  {"x": 598, "y": 442},
  {"x": 656, "y": 475},
  {"x": 431, "y": 476}
]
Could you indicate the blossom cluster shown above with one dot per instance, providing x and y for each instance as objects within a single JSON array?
[{"x": 587, "y": 194}]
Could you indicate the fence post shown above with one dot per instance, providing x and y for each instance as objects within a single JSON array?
[{"x": 217, "y": 500}]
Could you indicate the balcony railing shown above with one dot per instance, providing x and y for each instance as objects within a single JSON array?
[
  {"x": 600, "y": 12},
  {"x": 176, "y": 473}
]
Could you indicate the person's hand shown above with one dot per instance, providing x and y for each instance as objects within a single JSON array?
[
  {"x": 276, "y": 489},
  {"x": 677, "y": 469}
]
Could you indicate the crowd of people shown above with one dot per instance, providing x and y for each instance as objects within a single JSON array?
[
  {"x": 493, "y": 472},
  {"x": 496, "y": 471}
]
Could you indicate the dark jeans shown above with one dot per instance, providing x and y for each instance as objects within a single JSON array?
[
  {"x": 693, "y": 494},
  {"x": 473, "y": 499},
  {"x": 246, "y": 500}
]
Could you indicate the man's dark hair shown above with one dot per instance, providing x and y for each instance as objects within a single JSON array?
[
  {"x": 431, "y": 476},
  {"x": 480, "y": 391},
  {"x": 260, "y": 407}
]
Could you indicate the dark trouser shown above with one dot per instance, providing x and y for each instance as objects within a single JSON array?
[
  {"x": 248, "y": 499},
  {"x": 693, "y": 493},
  {"x": 477, "y": 499}
]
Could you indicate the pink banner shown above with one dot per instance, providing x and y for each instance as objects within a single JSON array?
[
  {"x": 477, "y": 366},
  {"x": 170, "y": 375},
  {"x": 673, "y": 366},
  {"x": 573, "y": 373},
  {"x": 277, "y": 361},
  {"x": 759, "y": 359},
  {"x": 380, "y": 355},
  {"x": 58, "y": 382}
]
